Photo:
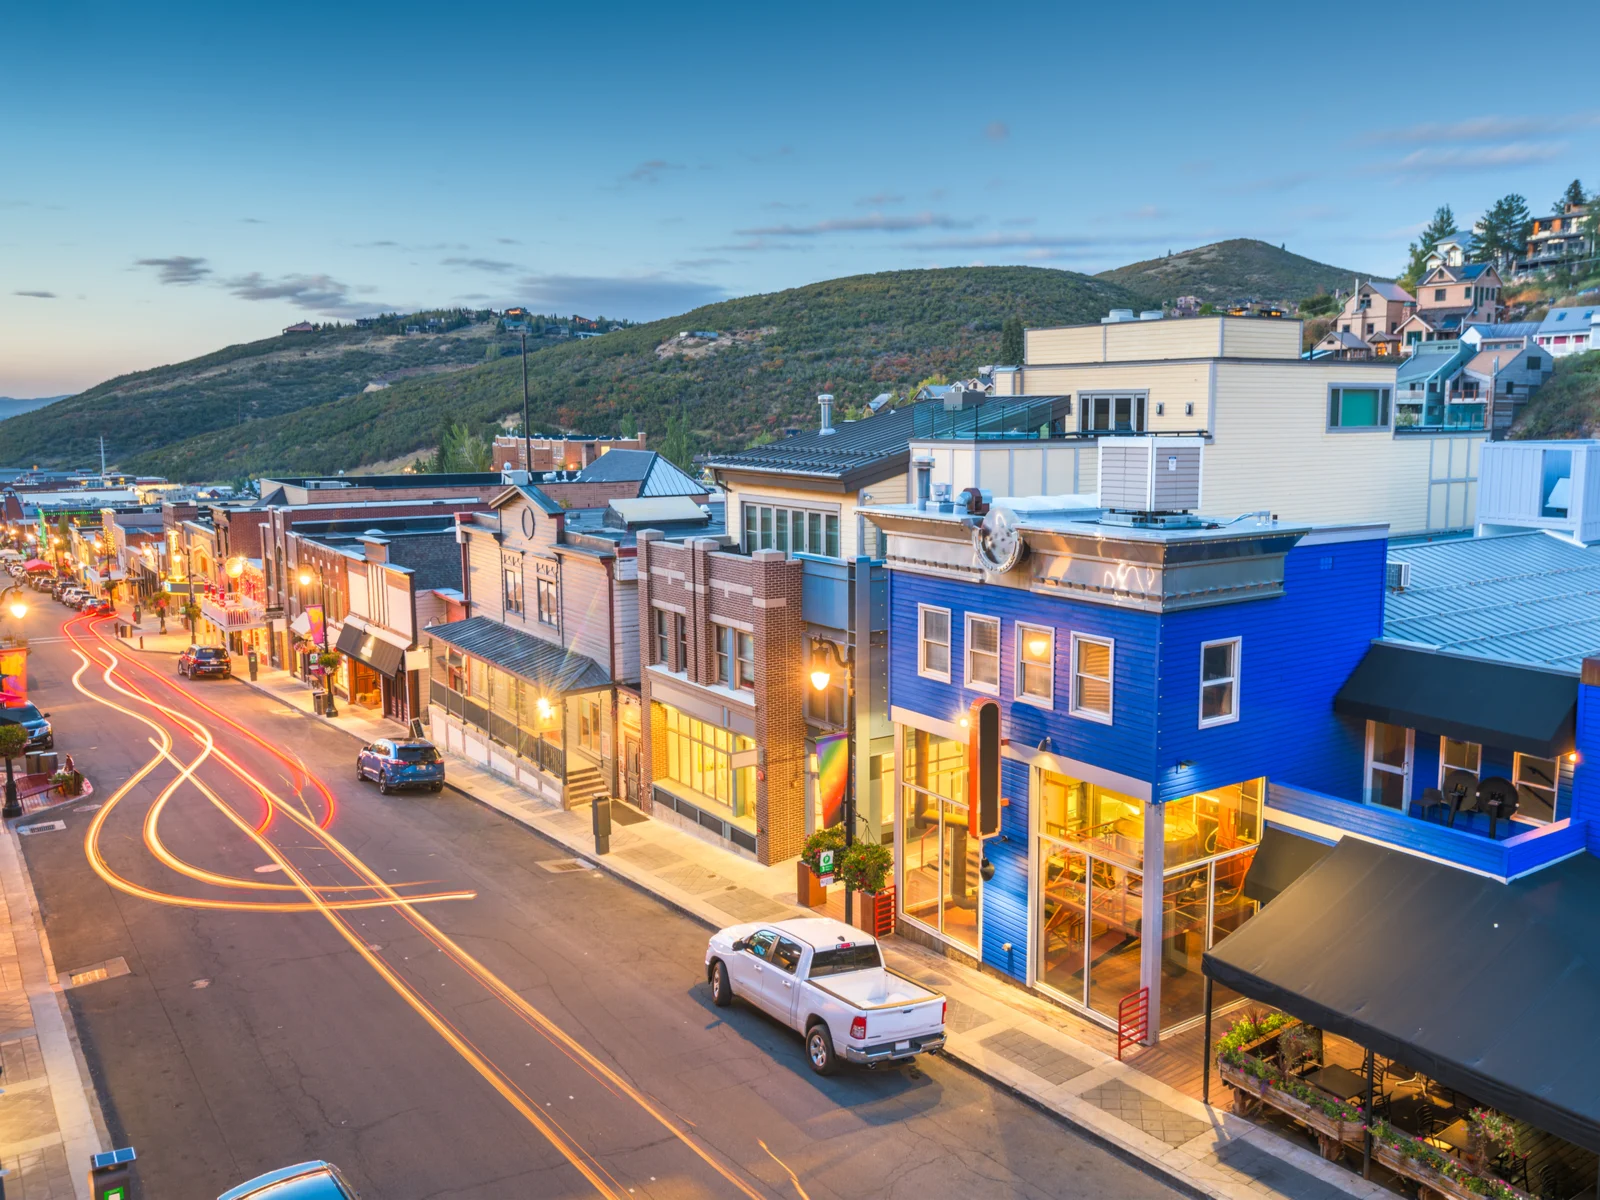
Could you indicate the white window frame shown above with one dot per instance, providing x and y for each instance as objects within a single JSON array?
[
  {"x": 1444, "y": 768},
  {"x": 1020, "y": 630},
  {"x": 1555, "y": 790},
  {"x": 1404, "y": 773},
  {"x": 922, "y": 643},
  {"x": 1105, "y": 718},
  {"x": 1233, "y": 679},
  {"x": 989, "y": 689}
]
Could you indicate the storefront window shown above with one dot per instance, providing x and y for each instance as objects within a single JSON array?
[
  {"x": 1213, "y": 822},
  {"x": 699, "y": 756},
  {"x": 1078, "y": 811},
  {"x": 1183, "y": 942},
  {"x": 940, "y": 859}
]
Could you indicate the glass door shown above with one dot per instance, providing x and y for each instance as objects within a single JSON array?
[
  {"x": 1389, "y": 752},
  {"x": 1090, "y": 927}
]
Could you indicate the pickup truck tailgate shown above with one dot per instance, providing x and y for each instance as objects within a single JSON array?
[{"x": 903, "y": 1024}]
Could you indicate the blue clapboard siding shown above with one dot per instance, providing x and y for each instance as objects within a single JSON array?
[
  {"x": 1586, "y": 771},
  {"x": 1530, "y": 848},
  {"x": 1126, "y": 746},
  {"x": 1005, "y": 897},
  {"x": 1296, "y": 651}
]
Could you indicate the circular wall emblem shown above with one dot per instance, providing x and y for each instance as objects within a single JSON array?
[{"x": 527, "y": 522}]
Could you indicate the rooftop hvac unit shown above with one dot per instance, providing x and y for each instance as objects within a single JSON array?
[
  {"x": 1399, "y": 576},
  {"x": 1150, "y": 474}
]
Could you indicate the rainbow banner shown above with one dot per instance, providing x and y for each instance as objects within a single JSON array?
[
  {"x": 13, "y": 677},
  {"x": 319, "y": 631},
  {"x": 833, "y": 773}
]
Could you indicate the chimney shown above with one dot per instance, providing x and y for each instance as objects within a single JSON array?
[
  {"x": 825, "y": 402},
  {"x": 923, "y": 467}
]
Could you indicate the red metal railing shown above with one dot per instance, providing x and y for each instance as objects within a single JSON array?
[{"x": 1133, "y": 1020}]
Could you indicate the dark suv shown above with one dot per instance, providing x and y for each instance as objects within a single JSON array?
[
  {"x": 40, "y": 735},
  {"x": 205, "y": 660}
]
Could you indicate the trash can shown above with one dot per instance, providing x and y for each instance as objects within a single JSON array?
[
  {"x": 111, "y": 1173},
  {"x": 30, "y": 762},
  {"x": 319, "y": 703},
  {"x": 48, "y": 760}
]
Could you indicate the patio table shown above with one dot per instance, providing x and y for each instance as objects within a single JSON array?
[
  {"x": 1338, "y": 1081},
  {"x": 1452, "y": 1137}
]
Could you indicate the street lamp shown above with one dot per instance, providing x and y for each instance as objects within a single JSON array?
[
  {"x": 821, "y": 680},
  {"x": 307, "y": 573},
  {"x": 17, "y": 605}
]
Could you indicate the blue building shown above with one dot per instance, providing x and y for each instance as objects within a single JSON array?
[{"x": 1183, "y": 696}]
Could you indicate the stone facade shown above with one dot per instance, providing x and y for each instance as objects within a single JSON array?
[{"x": 759, "y": 594}]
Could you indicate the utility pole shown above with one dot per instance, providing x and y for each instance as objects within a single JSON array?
[
  {"x": 527, "y": 429},
  {"x": 102, "y": 458}
]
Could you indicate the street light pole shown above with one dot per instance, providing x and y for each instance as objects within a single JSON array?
[
  {"x": 822, "y": 679},
  {"x": 527, "y": 429},
  {"x": 322, "y": 592}
]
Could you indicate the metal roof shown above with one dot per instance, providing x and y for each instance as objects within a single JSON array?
[
  {"x": 1429, "y": 359},
  {"x": 1389, "y": 291},
  {"x": 1569, "y": 320},
  {"x": 550, "y": 665},
  {"x": 655, "y": 475},
  {"x": 1505, "y": 329},
  {"x": 1531, "y": 598},
  {"x": 853, "y": 446}
]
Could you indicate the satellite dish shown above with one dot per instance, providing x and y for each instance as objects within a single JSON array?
[{"x": 998, "y": 541}]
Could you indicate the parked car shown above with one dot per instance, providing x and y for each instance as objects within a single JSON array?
[
  {"x": 40, "y": 735},
  {"x": 305, "y": 1181},
  {"x": 71, "y": 596},
  {"x": 210, "y": 661},
  {"x": 98, "y": 606},
  {"x": 827, "y": 980},
  {"x": 398, "y": 764}
]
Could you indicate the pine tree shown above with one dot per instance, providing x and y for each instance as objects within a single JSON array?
[
  {"x": 1011, "y": 342},
  {"x": 1573, "y": 195},
  {"x": 1503, "y": 230},
  {"x": 675, "y": 443},
  {"x": 1442, "y": 226}
]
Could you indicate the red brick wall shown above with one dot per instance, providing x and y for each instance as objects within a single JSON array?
[
  {"x": 558, "y": 454},
  {"x": 760, "y": 593}
]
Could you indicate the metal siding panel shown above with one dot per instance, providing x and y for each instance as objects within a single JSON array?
[{"x": 1005, "y": 897}]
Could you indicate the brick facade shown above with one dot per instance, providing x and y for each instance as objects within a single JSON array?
[
  {"x": 556, "y": 454},
  {"x": 759, "y": 594}
]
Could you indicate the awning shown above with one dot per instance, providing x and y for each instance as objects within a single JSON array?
[
  {"x": 36, "y": 564},
  {"x": 301, "y": 624},
  {"x": 383, "y": 657},
  {"x": 1469, "y": 699},
  {"x": 1281, "y": 858},
  {"x": 550, "y": 665},
  {"x": 1488, "y": 987}
]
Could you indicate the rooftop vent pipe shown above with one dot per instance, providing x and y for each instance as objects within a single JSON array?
[{"x": 825, "y": 402}]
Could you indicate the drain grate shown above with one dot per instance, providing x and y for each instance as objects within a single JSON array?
[
  {"x": 112, "y": 968},
  {"x": 42, "y": 827},
  {"x": 563, "y": 866}
]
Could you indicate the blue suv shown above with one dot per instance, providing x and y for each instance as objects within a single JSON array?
[
  {"x": 397, "y": 764},
  {"x": 307, "y": 1181}
]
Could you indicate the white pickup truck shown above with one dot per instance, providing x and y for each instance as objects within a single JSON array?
[{"x": 826, "y": 980}]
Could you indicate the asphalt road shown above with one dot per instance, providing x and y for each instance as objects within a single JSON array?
[{"x": 551, "y": 1035}]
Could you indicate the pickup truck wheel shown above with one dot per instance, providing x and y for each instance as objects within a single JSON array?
[
  {"x": 721, "y": 989},
  {"x": 819, "y": 1050}
]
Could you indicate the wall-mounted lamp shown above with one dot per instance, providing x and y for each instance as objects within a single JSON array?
[
  {"x": 1044, "y": 743},
  {"x": 986, "y": 870},
  {"x": 1185, "y": 764}
]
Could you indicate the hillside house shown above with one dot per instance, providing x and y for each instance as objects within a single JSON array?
[
  {"x": 1450, "y": 298},
  {"x": 1567, "y": 331},
  {"x": 1556, "y": 239},
  {"x": 1372, "y": 316}
]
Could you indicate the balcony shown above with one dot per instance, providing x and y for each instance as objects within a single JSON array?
[
  {"x": 1505, "y": 859},
  {"x": 234, "y": 613}
]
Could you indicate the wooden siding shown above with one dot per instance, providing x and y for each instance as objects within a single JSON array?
[
  {"x": 1005, "y": 897},
  {"x": 625, "y": 623},
  {"x": 483, "y": 573},
  {"x": 1170, "y": 385},
  {"x": 1586, "y": 772},
  {"x": 885, "y": 491},
  {"x": 585, "y": 608},
  {"x": 1071, "y": 344},
  {"x": 1296, "y": 650},
  {"x": 1246, "y": 337}
]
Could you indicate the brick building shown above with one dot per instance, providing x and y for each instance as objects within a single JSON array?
[
  {"x": 556, "y": 453},
  {"x": 723, "y": 682}
]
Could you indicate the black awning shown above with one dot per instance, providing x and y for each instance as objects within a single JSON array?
[
  {"x": 1281, "y": 858},
  {"x": 1469, "y": 699},
  {"x": 383, "y": 657},
  {"x": 1488, "y": 987}
]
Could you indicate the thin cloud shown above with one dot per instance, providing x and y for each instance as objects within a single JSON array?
[
  {"x": 508, "y": 241},
  {"x": 495, "y": 266},
  {"x": 879, "y": 200},
  {"x": 872, "y": 223},
  {"x": 251, "y": 221},
  {"x": 1147, "y": 212},
  {"x": 1019, "y": 222},
  {"x": 997, "y": 131},
  {"x": 637, "y": 297},
  {"x": 1481, "y": 129},
  {"x": 783, "y": 206},
  {"x": 651, "y": 171},
  {"x": 36, "y": 295},
  {"x": 180, "y": 269},
  {"x": 1429, "y": 163},
  {"x": 1036, "y": 241},
  {"x": 314, "y": 293},
  {"x": 699, "y": 264}
]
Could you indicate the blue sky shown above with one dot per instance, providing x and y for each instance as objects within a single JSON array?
[{"x": 177, "y": 178}]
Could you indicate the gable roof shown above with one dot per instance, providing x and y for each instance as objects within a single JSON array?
[
  {"x": 1390, "y": 291},
  {"x": 856, "y": 451},
  {"x": 1482, "y": 364},
  {"x": 1505, "y": 329},
  {"x": 532, "y": 495},
  {"x": 1347, "y": 341}
]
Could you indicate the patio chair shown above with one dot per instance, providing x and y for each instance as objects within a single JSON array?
[
  {"x": 1513, "y": 1168},
  {"x": 1431, "y": 805}
]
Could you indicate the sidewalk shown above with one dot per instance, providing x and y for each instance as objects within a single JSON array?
[
  {"x": 1008, "y": 1035},
  {"x": 50, "y": 1122}
]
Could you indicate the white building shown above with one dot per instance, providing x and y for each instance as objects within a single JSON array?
[{"x": 1541, "y": 485}]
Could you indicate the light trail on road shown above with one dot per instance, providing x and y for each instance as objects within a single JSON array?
[{"x": 333, "y": 902}]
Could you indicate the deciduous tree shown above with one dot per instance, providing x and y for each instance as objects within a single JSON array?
[{"x": 1011, "y": 342}]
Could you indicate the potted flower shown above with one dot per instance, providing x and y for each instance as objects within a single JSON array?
[
  {"x": 1488, "y": 1133},
  {"x": 864, "y": 868},
  {"x": 809, "y": 888}
]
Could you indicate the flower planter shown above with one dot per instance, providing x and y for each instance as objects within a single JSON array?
[
  {"x": 1332, "y": 1135},
  {"x": 808, "y": 886},
  {"x": 874, "y": 912},
  {"x": 1432, "y": 1181}
]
